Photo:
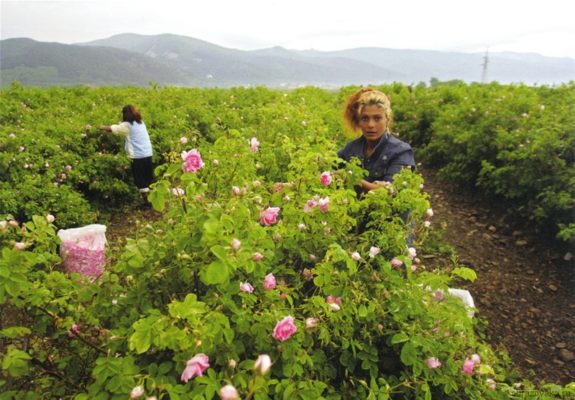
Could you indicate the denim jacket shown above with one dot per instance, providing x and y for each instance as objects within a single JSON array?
[{"x": 389, "y": 157}]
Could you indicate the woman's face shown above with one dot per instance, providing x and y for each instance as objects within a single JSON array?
[{"x": 372, "y": 122}]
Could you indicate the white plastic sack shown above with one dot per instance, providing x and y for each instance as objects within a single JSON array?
[
  {"x": 465, "y": 296},
  {"x": 83, "y": 250}
]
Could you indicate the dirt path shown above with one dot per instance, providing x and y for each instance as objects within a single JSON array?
[{"x": 527, "y": 294}]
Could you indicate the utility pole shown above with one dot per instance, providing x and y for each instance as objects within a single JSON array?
[{"x": 485, "y": 62}]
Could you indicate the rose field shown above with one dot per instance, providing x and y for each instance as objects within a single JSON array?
[{"x": 262, "y": 274}]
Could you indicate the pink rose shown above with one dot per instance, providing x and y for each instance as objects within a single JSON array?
[
  {"x": 396, "y": 262},
  {"x": 325, "y": 178},
  {"x": 246, "y": 287},
  {"x": 467, "y": 367},
  {"x": 229, "y": 392},
  {"x": 236, "y": 244},
  {"x": 254, "y": 145},
  {"x": 284, "y": 329},
  {"x": 183, "y": 140},
  {"x": 19, "y": 245},
  {"x": 269, "y": 281},
  {"x": 429, "y": 212},
  {"x": 333, "y": 300},
  {"x": 257, "y": 256},
  {"x": 432, "y": 363},
  {"x": 373, "y": 251},
  {"x": 355, "y": 256},
  {"x": 324, "y": 204},
  {"x": 235, "y": 190},
  {"x": 195, "y": 366},
  {"x": 192, "y": 160},
  {"x": 476, "y": 359},
  {"x": 309, "y": 205},
  {"x": 68, "y": 167},
  {"x": 269, "y": 216}
]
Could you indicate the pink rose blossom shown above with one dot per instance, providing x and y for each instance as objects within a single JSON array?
[
  {"x": 183, "y": 140},
  {"x": 311, "y": 323},
  {"x": 284, "y": 329},
  {"x": 476, "y": 359},
  {"x": 19, "y": 245},
  {"x": 467, "y": 367},
  {"x": 429, "y": 212},
  {"x": 427, "y": 224},
  {"x": 229, "y": 392},
  {"x": 136, "y": 392},
  {"x": 355, "y": 256},
  {"x": 263, "y": 364},
  {"x": 333, "y": 300},
  {"x": 373, "y": 251},
  {"x": 246, "y": 287},
  {"x": 269, "y": 216},
  {"x": 432, "y": 363},
  {"x": 325, "y": 178},
  {"x": 13, "y": 223},
  {"x": 257, "y": 256},
  {"x": 309, "y": 205},
  {"x": 412, "y": 252},
  {"x": 269, "y": 281},
  {"x": 195, "y": 366},
  {"x": 68, "y": 167},
  {"x": 254, "y": 145},
  {"x": 192, "y": 160},
  {"x": 334, "y": 307},
  {"x": 236, "y": 244},
  {"x": 396, "y": 262},
  {"x": 324, "y": 204},
  {"x": 235, "y": 190}
]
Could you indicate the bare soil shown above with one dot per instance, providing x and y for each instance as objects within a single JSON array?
[{"x": 525, "y": 290}]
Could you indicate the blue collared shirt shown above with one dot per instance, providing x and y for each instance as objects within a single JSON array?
[{"x": 388, "y": 158}]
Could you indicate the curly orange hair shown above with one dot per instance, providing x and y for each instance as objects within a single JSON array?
[{"x": 365, "y": 97}]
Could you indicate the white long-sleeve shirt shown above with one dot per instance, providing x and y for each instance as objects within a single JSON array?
[{"x": 137, "y": 143}]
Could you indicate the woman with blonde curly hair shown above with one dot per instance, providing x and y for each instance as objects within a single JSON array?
[{"x": 381, "y": 154}]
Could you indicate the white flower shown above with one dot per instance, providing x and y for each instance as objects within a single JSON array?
[
  {"x": 429, "y": 212},
  {"x": 183, "y": 140},
  {"x": 373, "y": 251},
  {"x": 355, "y": 255},
  {"x": 236, "y": 244},
  {"x": 263, "y": 364},
  {"x": 50, "y": 218},
  {"x": 136, "y": 392}
]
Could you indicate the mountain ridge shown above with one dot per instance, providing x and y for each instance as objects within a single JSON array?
[{"x": 168, "y": 59}]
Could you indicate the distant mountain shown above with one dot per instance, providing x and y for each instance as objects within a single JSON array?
[
  {"x": 131, "y": 59},
  {"x": 226, "y": 67},
  {"x": 45, "y": 64}
]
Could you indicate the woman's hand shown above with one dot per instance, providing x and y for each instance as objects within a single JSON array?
[{"x": 105, "y": 128}]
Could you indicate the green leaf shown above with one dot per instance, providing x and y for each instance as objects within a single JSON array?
[
  {"x": 216, "y": 273},
  {"x": 408, "y": 354},
  {"x": 465, "y": 273},
  {"x": 220, "y": 252},
  {"x": 399, "y": 338},
  {"x": 15, "y": 362},
  {"x": 15, "y": 331}
]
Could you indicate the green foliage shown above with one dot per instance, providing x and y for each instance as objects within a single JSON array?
[{"x": 366, "y": 328}]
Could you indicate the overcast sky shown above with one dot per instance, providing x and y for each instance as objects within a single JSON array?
[{"x": 544, "y": 26}]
